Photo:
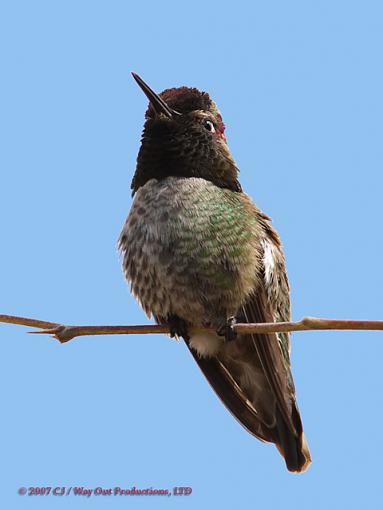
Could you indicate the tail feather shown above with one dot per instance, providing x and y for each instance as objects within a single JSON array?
[
  {"x": 292, "y": 447},
  {"x": 255, "y": 418}
]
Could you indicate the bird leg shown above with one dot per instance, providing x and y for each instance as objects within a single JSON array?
[
  {"x": 178, "y": 327},
  {"x": 226, "y": 329}
]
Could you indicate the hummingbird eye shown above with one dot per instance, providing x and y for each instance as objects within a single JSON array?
[{"x": 209, "y": 125}]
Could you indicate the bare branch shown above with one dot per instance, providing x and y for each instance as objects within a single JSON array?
[
  {"x": 25, "y": 321},
  {"x": 64, "y": 333}
]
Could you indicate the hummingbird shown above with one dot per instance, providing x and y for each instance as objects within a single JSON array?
[{"x": 199, "y": 255}]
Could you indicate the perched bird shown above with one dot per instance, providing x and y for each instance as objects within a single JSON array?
[{"x": 198, "y": 253}]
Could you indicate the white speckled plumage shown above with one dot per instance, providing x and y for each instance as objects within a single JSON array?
[{"x": 168, "y": 246}]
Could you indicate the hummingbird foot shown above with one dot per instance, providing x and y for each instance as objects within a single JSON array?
[
  {"x": 226, "y": 329},
  {"x": 178, "y": 327}
]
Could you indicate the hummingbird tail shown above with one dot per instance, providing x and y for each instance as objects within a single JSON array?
[
  {"x": 292, "y": 447},
  {"x": 261, "y": 417}
]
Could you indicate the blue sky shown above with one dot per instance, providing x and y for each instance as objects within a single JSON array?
[{"x": 299, "y": 85}]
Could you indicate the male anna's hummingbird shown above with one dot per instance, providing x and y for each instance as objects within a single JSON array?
[{"x": 198, "y": 253}]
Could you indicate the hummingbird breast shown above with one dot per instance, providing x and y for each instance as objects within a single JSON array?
[{"x": 191, "y": 249}]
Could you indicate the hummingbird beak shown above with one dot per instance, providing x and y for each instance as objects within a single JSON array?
[{"x": 157, "y": 103}]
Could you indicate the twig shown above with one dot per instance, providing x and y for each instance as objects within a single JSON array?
[{"x": 64, "y": 333}]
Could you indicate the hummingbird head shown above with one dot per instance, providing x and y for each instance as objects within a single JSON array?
[{"x": 184, "y": 136}]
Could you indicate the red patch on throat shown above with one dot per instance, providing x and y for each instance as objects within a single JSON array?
[{"x": 221, "y": 127}]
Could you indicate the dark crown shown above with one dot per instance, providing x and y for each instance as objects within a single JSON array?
[{"x": 184, "y": 100}]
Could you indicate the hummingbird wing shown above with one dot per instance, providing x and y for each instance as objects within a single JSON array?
[{"x": 251, "y": 375}]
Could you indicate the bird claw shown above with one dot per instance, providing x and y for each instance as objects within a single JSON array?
[
  {"x": 227, "y": 329},
  {"x": 178, "y": 327}
]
